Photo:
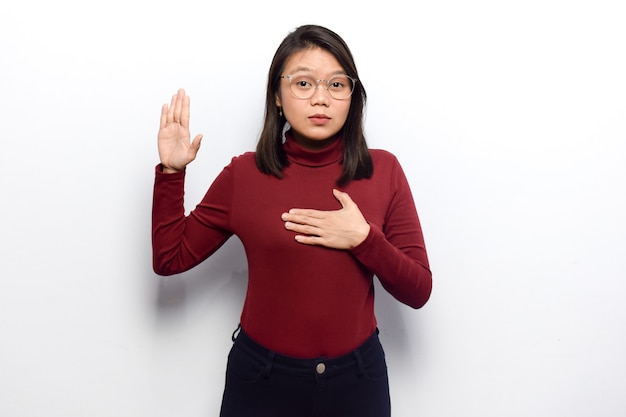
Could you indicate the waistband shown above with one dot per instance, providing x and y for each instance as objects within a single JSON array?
[{"x": 320, "y": 365}]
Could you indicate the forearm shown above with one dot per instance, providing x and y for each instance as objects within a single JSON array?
[
  {"x": 403, "y": 271},
  {"x": 179, "y": 242}
]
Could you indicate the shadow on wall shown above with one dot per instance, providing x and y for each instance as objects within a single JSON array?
[
  {"x": 397, "y": 330},
  {"x": 222, "y": 279}
]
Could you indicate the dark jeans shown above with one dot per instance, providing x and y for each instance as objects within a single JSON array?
[{"x": 261, "y": 383}]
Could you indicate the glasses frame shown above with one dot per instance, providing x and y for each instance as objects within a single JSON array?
[{"x": 317, "y": 84}]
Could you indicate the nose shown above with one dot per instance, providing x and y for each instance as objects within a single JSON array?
[{"x": 321, "y": 96}]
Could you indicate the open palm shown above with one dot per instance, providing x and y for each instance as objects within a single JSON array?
[{"x": 175, "y": 149}]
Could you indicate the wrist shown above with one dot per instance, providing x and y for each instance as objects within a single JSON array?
[
  {"x": 168, "y": 170},
  {"x": 363, "y": 234}
]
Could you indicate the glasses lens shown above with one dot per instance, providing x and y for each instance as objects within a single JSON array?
[
  {"x": 302, "y": 86},
  {"x": 340, "y": 87}
]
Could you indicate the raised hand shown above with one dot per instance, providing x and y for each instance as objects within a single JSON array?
[
  {"x": 339, "y": 229},
  {"x": 175, "y": 149}
]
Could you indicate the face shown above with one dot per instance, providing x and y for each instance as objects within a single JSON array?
[{"x": 315, "y": 121}]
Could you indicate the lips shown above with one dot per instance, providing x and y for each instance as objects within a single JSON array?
[{"x": 319, "y": 118}]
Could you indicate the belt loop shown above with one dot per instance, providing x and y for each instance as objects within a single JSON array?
[
  {"x": 359, "y": 363},
  {"x": 268, "y": 365},
  {"x": 235, "y": 333}
]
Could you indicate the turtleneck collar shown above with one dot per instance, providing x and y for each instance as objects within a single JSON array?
[{"x": 313, "y": 158}]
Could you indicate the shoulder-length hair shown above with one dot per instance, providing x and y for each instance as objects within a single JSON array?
[{"x": 270, "y": 156}]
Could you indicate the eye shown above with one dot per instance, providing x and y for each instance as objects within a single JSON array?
[
  {"x": 339, "y": 83},
  {"x": 303, "y": 83}
]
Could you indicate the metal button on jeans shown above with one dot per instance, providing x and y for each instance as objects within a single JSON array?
[{"x": 320, "y": 368}]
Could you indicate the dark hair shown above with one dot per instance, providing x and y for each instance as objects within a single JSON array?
[{"x": 270, "y": 156}]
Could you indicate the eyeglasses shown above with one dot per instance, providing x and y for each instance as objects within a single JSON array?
[{"x": 340, "y": 87}]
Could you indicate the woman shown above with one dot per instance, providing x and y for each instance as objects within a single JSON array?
[{"x": 319, "y": 214}]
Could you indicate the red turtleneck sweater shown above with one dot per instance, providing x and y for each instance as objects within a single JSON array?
[{"x": 302, "y": 301}]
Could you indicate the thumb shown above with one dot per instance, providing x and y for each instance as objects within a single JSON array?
[
  {"x": 195, "y": 144},
  {"x": 343, "y": 198}
]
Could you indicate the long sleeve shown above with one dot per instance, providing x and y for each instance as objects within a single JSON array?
[
  {"x": 396, "y": 252},
  {"x": 181, "y": 242}
]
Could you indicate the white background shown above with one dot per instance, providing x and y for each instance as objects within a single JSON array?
[{"x": 508, "y": 116}]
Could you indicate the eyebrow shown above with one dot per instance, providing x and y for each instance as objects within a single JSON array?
[{"x": 307, "y": 69}]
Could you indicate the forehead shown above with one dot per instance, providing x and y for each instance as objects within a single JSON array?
[{"x": 314, "y": 60}]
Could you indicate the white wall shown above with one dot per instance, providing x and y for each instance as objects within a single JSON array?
[{"x": 509, "y": 118}]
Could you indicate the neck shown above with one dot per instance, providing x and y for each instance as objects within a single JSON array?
[{"x": 312, "y": 144}]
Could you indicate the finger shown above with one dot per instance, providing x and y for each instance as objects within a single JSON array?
[
  {"x": 170, "y": 109},
  {"x": 310, "y": 240},
  {"x": 304, "y": 229},
  {"x": 300, "y": 219},
  {"x": 316, "y": 214},
  {"x": 178, "y": 109},
  {"x": 184, "y": 114},
  {"x": 164, "y": 111}
]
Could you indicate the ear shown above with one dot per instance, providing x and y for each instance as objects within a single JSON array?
[{"x": 278, "y": 102}]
